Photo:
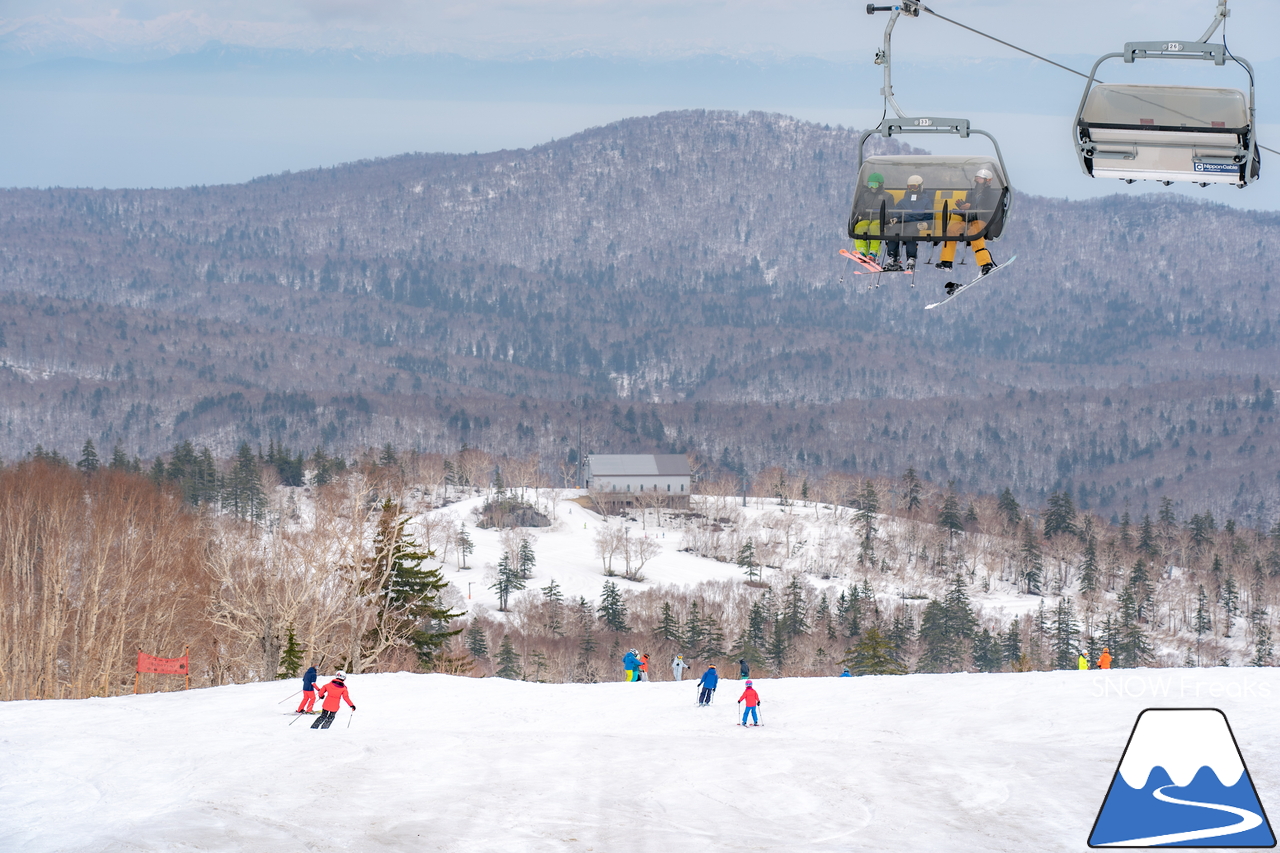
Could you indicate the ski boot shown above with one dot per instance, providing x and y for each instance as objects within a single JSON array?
[
  {"x": 892, "y": 265},
  {"x": 952, "y": 287},
  {"x": 986, "y": 268},
  {"x": 911, "y": 264},
  {"x": 943, "y": 265}
]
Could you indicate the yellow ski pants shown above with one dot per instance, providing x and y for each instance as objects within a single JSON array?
[{"x": 955, "y": 229}]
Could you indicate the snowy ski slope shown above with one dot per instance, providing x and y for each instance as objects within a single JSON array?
[{"x": 982, "y": 763}]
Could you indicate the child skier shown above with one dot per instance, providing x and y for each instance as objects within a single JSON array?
[
  {"x": 708, "y": 684},
  {"x": 753, "y": 701},
  {"x": 678, "y": 666},
  {"x": 644, "y": 667},
  {"x": 308, "y": 692},
  {"x": 332, "y": 693}
]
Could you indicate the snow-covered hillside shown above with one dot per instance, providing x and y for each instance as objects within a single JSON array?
[
  {"x": 927, "y": 763},
  {"x": 814, "y": 538}
]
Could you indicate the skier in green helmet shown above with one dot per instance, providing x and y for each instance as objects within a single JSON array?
[{"x": 864, "y": 222}]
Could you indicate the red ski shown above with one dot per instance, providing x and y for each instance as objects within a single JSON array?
[{"x": 867, "y": 263}]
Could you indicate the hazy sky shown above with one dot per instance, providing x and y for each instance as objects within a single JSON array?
[
  {"x": 154, "y": 125},
  {"x": 648, "y": 28}
]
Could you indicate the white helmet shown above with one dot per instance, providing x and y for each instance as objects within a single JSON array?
[
  {"x": 341, "y": 674},
  {"x": 915, "y": 180},
  {"x": 633, "y": 651},
  {"x": 985, "y": 174}
]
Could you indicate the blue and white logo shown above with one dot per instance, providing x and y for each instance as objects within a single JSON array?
[
  {"x": 1182, "y": 783},
  {"x": 1217, "y": 168}
]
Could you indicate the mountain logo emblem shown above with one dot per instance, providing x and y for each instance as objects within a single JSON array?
[{"x": 1182, "y": 783}]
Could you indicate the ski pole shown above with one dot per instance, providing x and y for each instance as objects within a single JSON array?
[
  {"x": 350, "y": 717},
  {"x": 297, "y": 717},
  {"x": 287, "y": 698}
]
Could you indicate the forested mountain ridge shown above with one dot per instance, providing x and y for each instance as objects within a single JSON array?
[{"x": 665, "y": 282}]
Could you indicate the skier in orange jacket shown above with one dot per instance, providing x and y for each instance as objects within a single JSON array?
[
  {"x": 332, "y": 693},
  {"x": 753, "y": 701},
  {"x": 1104, "y": 660}
]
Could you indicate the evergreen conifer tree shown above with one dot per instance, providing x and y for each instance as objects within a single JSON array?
[
  {"x": 613, "y": 610},
  {"x": 508, "y": 660},
  {"x": 291, "y": 657},
  {"x": 913, "y": 490},
  {"x": 794, "y": 609},
  {"x": 477, "y": 642},
  {"x": 465, "y": 545},
  {"x": 755, "y": 637},
  {"x": 1060, "y": 517},
  {"x": 508, "y": 581},
  {"x": 1089, "y": 567},
  {"x": 119, "y": 460},
  {"x": 411, "y": 600},
  {"x": 243, "y": 495},
  {"x": 713, "y": 639},
  {"x": 526, "y": 559},
  {"x": 1032, "y": 561},
  {"x": 747, "y": 560},
  {"x": 1011, "y": 644},
  {"x": 778, "y": 646},
  {"x": 1009, "y": 508},
  {"x": 554, "y": 601},
  {"x": 986, "y": 651},
  {"x": 669, "y": 625},
  {"x": 868, "y": 506},
  {"x": 874, "y": 654},
  {"x": 1230, "y": 599},
  {"x": 1202, "y": 623},
  {"x": 1065, "y": 631},
  {"x": 1262, "y": 646},
  {"x": 88, "y": 457},
  {"x": 1147, "y": 539},
  {"x": 949, "y": 516},
  {"x": 694, "y": 632}
]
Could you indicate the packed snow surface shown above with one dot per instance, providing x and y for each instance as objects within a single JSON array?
[{"x": 1010, "y": 762}]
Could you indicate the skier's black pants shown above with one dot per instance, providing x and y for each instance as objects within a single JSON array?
[
  {"x": 913, "y": 250},
  {"x": 323, "y": 721},
  {"x": 704, "y": 698}
]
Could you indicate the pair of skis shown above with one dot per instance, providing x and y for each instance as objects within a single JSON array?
[{"x": 954, "y": 289}]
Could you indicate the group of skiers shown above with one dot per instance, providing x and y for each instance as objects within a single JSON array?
[
  {"x": 1104, "y": 660},
  {"x": 332, "y": 693}
]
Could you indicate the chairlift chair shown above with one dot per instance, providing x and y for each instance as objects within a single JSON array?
[
  {"x": 1196, "y": 134},
  {"x": 948, "y": 178}
]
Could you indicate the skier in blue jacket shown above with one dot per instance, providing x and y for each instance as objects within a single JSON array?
[
  {"x": 308, "y": 692},
  {"x": 631, "y": 663},
  {"x": 708, "y": 684},
  {"x": 912, "y": 212}
]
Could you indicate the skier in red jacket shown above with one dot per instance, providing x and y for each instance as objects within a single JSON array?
[
  {"x": 752, "y": 698},
  {"x": 332, "y": 693}
]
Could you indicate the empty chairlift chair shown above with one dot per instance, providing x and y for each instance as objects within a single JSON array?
[{"x": 1167, "y": 133}]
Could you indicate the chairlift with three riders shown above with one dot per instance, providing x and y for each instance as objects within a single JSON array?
[{"x": 882, "y": 207}]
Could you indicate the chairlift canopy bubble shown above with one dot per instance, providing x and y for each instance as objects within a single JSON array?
[{"x": 895, "y": 212}]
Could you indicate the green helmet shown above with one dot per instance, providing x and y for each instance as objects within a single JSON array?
[{"x": 875, "y": 179}]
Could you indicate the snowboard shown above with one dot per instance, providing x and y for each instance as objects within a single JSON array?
[{"x": 965, "y": 287}]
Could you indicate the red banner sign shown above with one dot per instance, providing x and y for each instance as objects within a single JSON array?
[{"x": 165, "y": 666}]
